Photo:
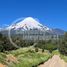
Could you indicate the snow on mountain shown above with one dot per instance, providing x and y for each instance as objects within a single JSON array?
[{"x": 27, "y": 24}]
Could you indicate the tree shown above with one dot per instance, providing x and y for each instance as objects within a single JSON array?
[
  {"x": 65, "y": 36},
  {"x": 63, "y": 44}
]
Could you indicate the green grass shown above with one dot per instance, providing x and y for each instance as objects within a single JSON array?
[
  {"x": 64, "y": 57},
  {"x": 56, "y": 52},
  {"x": 28, "y": 57},
  {"x": 2, "y": 58}
]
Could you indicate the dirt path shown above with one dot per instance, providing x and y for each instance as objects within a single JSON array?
[
  {"x": 55, "y": 61},
  {"x": 1, "y": 65}
]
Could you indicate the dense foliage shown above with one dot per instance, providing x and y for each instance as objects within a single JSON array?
[
  {"x": 5, "y": 44},
  {"x": 63, "y": 44},
  {"x": 60, "y": 44}
]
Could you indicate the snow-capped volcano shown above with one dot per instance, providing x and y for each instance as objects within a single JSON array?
[
  {"x": 30, "y": 25},
  {"x": 27, "y": 24}
]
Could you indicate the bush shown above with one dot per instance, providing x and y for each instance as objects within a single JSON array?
[
  {"x": 36, "y": 49},
  {"x": 50, "y": 47},
  {"x": 42, "y": 50}
]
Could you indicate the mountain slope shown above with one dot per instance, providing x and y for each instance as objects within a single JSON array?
[
  {"x": 58, "y": 31},
  {"x": 27, "y": 24}
]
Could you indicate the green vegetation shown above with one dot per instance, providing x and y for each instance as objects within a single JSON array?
[
  {"x": 2, "y": 57},
  {"x": 56, "y": 52},
  {"x": 26, "y": 57},
  {"x": 29, "y": 58},
  {"x": 51, "y": 45},
  {"x": 48, "y": 45},
  {"x": 63, "y": 45},
  {"x": 63, "y": 57},
  {"x": 30, "y": 55}
]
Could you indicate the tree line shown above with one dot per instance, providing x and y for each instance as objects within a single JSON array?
[{"x": 60, "y": 44}]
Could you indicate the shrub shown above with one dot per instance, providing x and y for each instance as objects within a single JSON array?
[
  {"x": 42, "y": 50},
  {"x": 36, "y": 49}
]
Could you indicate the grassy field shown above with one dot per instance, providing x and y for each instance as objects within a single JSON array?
[
  {"x": 24, "y": 57},
  {"x": 27, "y": 57}
]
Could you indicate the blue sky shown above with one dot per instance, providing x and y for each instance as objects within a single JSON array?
[{"x": 52, "y": 13}]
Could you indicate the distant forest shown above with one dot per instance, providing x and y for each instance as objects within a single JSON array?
[{"x": 51, "y": 44}]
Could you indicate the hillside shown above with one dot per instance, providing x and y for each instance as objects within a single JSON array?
[{"x": 23, "y": 57}]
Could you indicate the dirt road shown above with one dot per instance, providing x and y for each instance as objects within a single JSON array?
[{"x": 55, "y": 61}]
